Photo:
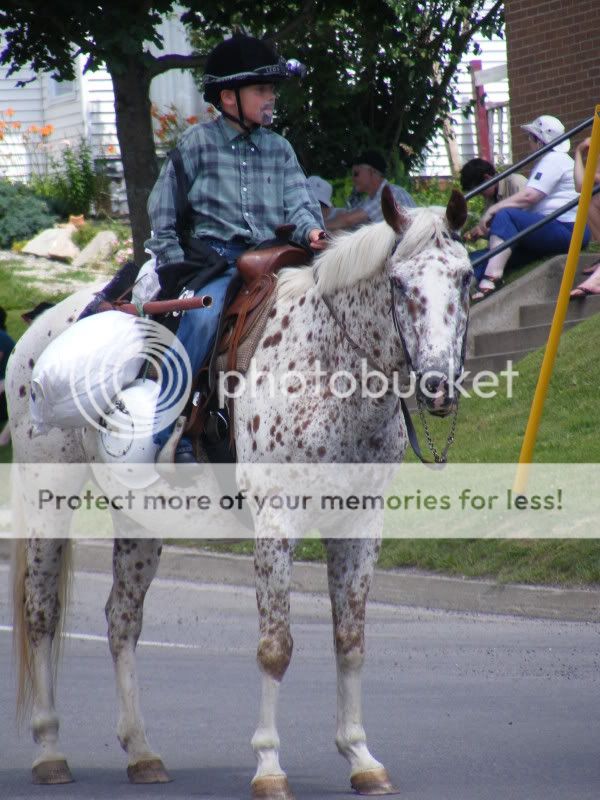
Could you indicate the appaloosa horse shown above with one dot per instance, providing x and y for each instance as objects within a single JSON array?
[{"x": 335, "y": 312}]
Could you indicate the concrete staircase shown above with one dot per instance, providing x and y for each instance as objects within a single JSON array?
[{"x": 515, "y": 321}]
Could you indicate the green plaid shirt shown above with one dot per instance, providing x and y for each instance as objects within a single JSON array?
[{"x": 241, "y": 188}]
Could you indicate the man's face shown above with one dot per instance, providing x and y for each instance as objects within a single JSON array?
[
  {"x": 491, "y": 190},
  {"x": 361, "y": 175},
  {"x": 258, "y": 103}
]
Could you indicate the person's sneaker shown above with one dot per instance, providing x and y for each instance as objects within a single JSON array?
[{"x": 185, "y": 452}]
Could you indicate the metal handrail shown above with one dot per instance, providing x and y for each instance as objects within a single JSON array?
[
  {"x": 540, "y": 223},
  {"x": 531, "y": 157}
]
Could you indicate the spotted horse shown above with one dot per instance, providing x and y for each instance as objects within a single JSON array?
[{"x": 335, "y": 311}]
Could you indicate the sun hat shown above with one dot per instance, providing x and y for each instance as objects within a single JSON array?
[
  {"x": 547, "y": 128},
  {"x": 321, "y": 189}
]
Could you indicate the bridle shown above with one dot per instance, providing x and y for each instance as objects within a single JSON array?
[{"x": 438, "y": 457}]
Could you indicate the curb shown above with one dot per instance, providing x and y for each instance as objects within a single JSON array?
[{"x": 393, "y": 587}]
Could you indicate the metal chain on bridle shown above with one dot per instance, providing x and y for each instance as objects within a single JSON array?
[{"x": 439, "y": 458}]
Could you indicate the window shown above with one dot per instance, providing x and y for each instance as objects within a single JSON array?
[{"x": 61, "y": 89}]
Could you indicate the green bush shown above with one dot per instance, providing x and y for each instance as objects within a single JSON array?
[
  {"x": 69, "y": 185},
  {"x": 22, "y": 214}
]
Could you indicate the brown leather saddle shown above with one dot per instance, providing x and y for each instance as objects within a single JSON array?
[{"x": 244, "y": 319}]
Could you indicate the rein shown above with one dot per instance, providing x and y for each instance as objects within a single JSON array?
[{"x": 438, "y": 457}]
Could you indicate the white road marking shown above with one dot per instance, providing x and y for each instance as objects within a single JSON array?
[{"x": 90, "y": 637}]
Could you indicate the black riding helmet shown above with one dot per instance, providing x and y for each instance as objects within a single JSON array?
[{"x": 244, "y": 61}]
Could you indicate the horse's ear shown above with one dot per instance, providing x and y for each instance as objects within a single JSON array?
[
  {"x": 456, "y": 210},
  {"x": 393, "y": 214}
]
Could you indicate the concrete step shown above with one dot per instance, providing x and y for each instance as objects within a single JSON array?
[
  {"x": 526, "y": 338},
  {"x": 540, "y": 313},
  {"x": 495, "y": 362}
]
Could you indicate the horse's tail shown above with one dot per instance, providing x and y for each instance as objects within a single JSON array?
[{"x": 22, "y": 648}]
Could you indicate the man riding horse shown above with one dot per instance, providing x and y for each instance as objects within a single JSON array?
[{"x": 242, "y": 182}]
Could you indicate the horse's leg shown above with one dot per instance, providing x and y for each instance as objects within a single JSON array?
[
  {"x": 39, "y": 598},
  {"x": 273, "y": 567},
  {"x": 350, "y": 564},
  {"x": 135, "y": 562}
]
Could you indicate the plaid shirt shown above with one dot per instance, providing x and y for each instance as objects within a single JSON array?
[
  {"x": 241, "y": 188},
  {"x": 372, "y": 205}
]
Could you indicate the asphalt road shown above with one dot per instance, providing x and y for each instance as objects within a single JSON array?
[{"x": 457, "y": 706}]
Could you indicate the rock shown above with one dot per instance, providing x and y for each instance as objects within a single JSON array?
[
  {"x": 99, "y": 249},
  {"x": 53, "y": 243}
]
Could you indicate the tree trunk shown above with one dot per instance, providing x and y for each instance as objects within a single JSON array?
[{"x": 136, "y": 142}]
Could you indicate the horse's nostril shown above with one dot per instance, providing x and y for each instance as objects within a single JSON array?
[{"x": 432, "y": 385}]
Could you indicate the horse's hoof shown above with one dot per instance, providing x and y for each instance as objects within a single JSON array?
[
  {"x": 373, "y": 782},
  {"x": 51, "y": 772},
  {"x": 271, "y": 787},
  {"x": 148, "y": 770}
]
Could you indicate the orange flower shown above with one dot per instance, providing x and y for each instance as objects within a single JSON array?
[
  {"x": 16, "y": 126},
  {"x": 111, "y": 149},
  {"x": 33, "y": 129},
  {"x": 46, "y": 131},
  {"x": 192, "y": 120},
  {"x": 10, "y": 112}
]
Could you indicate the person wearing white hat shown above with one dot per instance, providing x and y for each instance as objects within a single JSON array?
[
  {"x": 550, "y": 186},
  {"x": 322, "y": 191}
]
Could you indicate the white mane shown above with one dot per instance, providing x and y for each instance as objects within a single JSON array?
[{"x": 355, "y": 255}]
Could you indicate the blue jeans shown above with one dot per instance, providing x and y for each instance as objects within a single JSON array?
[
  {"x": 550, "y": 240},
  {"x": 198, "y": 327}
]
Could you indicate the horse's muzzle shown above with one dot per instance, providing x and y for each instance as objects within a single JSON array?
[{"x": 434, "y": 392}]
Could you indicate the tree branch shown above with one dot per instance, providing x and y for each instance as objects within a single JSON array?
[{"x": 160, "y": 64}]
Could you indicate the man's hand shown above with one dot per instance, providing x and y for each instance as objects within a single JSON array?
[
  {"x": 318, "y": 239},
  {"x": 478, "y": 232}
]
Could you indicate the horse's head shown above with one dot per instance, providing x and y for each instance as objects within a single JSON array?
[{"x": 430, "y": 274}]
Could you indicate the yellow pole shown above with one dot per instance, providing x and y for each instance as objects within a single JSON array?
[{"x": 560, "y": 311}]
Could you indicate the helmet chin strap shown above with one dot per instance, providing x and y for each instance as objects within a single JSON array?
[{"x": 240, "y": 118}]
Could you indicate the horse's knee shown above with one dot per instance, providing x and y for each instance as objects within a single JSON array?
[
  {"x": 41, "y": 609},
  {"x": 124, "y": 613},
  {"x": 350, "y": 645},
  {"x": 275, "y": 653}
]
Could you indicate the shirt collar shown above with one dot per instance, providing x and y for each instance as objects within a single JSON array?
[{"x": 230, "y": 133}]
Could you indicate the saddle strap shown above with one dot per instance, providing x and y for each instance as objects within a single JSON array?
[{"x": 254, "y": 295}]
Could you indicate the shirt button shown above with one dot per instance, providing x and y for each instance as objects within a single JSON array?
[
  {"x": 244, "y": 189},
  {"x": 243, "y": 163}
]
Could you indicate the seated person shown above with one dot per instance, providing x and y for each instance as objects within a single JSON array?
[
  {"x": 322, "y": 191},
  {"x": 244, "y": 180},
  {"x": 549, "y": 187},
  {"x": 592, "y": 285},
  {"x": 368, "y": 171},
  {"x": 478, "y": 171}
]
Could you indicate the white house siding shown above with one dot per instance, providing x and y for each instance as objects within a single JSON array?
[
  {"x": 493, "y": 54},
  {"x": 26, "y": 103},
  {"x": 175, "y": 87},
  {"x": 64, "y": 111}
]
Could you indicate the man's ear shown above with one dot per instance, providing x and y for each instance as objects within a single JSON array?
[{"x": 228, "y": 98}]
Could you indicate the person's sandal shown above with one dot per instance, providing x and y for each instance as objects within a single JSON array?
[
  {"x": 484, "y": 291},
  {"x": 591, "y": 269}
]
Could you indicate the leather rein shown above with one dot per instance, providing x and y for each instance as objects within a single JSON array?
[{"x": 438, "y": 457}]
